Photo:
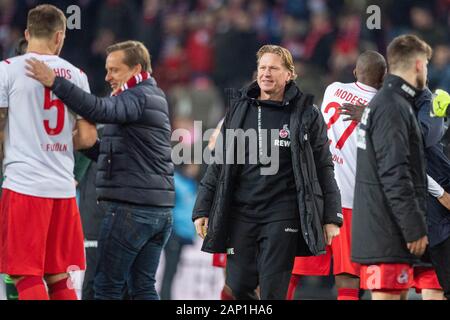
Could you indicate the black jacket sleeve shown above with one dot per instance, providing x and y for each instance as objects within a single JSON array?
[
  {"x": 390, "y": 138},
  {"x": 206, "y": 192},
  {"x": 208, "y": 184},
  {"x": 325, "y": 169},
  {"x": 93, "y": 152},
  {"x": 124, "y": 108}
]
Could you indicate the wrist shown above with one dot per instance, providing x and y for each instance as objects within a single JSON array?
[
  {"x": 52, "y": 82},
  {"x": 51, "y": 85}
]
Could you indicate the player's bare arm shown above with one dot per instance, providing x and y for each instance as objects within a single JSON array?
[
  {"x": 353, "y": 111},
  {"x": 3, "y": 119},
  {"x": 445, "y": 200},
  {"x": 85, "y": 135}
]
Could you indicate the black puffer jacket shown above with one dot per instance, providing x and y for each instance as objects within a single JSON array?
[
  {"x": 134, "y": 155},
  {"x": 318, "y": 196},
  {"x": 391, "y": 187}
]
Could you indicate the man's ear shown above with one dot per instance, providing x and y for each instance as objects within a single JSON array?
[
  {"x": 137, "y": 69},
  {"x": 27, "y": 35},
  {"x": 419, "y": 65},
  {"x": 59, "y": 37},
  {"x": 382, "y": 79},
  {"x": 289, "y": 77}
]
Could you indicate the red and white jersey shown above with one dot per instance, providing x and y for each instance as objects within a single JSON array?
[
  {"x": 342, "y": 134},
  {"x": 38, "y": 143}
]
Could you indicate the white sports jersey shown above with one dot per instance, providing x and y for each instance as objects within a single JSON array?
[
  {"x": 38, "y": 143},
  {"x": 342, "y": 133}
]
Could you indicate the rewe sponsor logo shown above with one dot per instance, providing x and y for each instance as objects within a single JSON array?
[{"x": 282, "y": 143}]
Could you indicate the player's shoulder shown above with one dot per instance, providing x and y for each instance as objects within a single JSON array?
[
  {"x": 75, "y": 72},
  {"x": 364, "y": 89},
  {"x": 10, "y": 62},
  {"x": 337, "y": 85},
  {"x": 69, "y": 65},
  {"x": 6, "y": 62},
  {"x": 334, "y": 85},
  {"x": 11, "y": 66},
  {"x": 332, "y": 88}
]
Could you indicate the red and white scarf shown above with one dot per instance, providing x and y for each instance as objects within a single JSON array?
[{"x": 133, "y": 81}]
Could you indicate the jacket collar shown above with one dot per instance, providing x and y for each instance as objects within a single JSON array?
[
  {"x": 402, "y": 87},
  {"x": 291, "y": 92}
]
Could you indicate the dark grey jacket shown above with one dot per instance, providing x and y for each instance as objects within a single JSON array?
[
  {"x": 391, "y": 185},
  {"x": 134, "y": 155},
  {"x": 318, "y": 196}
]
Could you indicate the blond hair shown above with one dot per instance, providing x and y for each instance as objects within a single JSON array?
[
  {"x": 403, "y": 49},
  {"x": 285, "y": 55}
]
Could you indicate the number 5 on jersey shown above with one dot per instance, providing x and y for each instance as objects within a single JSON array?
[{"x": 60, "y": 113}]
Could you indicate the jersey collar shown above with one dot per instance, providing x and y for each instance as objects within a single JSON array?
[{"x": 365, "y": 87}]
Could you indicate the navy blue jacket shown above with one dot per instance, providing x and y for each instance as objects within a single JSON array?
[
  {"x": 438, "y": 167},
  {"x": 134, "y": 155}
]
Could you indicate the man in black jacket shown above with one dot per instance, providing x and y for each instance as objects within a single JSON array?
[
  {"x": 438, "y": 200},
  {"x": 264, "y": 220},
  {"x": 135, "y": 173},
  {"x": 389, "y": 229}
]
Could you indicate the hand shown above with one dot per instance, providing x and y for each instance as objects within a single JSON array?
[
  {"x": 201, "y": 225},
  {"x": 441, "y": 101},
  {"x": 418, "y": 247},
  {"x": 330, "y": 231},
  {"x": 39, "y": 71},
  {"x": 353, "y": 111},
  {"x": 445, "y": 200}
]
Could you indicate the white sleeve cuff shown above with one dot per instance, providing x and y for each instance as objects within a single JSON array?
[{"x": 434, "y": 188}]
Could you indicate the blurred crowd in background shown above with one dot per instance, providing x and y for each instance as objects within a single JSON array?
[{"x": 202, "y": 48}]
